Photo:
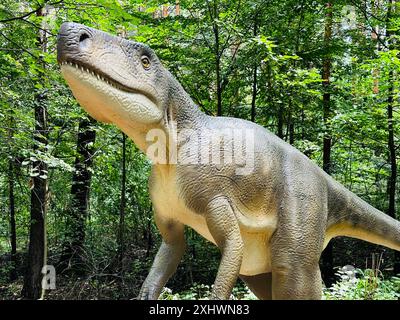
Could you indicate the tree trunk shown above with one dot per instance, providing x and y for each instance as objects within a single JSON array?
[
  {"x": 217, "y": 54},
  {"x": 280, "y": 122},
  {"x": 121, "y": 238},
  {"x": 391, "y": 142},
  {"x": 32, "y": 288},
  {"x": 327, "y": 254},
  {"x": 11, "y": 201},
  {"x": 73, "y": 256},
  {"x": 13, "y": 232},
  {"x": 291, "y": 129},
  {"x": 254, "y": 90}
]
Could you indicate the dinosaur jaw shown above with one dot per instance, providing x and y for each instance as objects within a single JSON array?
[{"x": 107, "y": 100}]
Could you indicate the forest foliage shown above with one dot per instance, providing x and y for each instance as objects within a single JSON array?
[{"x": 261, "y": 60}]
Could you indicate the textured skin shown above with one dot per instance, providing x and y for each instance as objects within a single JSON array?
[{"x": 271, "y": 225}]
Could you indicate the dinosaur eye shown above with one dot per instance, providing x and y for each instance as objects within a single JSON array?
[{"x": 145, "y": 62}]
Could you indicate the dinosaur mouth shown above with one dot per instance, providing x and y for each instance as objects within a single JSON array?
[
  {"x": 101, "y": 76},
  {"x": 108, "y": 100}
]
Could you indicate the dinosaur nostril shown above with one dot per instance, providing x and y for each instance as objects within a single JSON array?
[
  {"x": 83, "y": 37},
  {"x": 84, "y": 41}
]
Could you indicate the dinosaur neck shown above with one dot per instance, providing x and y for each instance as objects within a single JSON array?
[
  {"x": 181, "y": 116},
  {"x": 180, "y": 113},
  {"x": 181, "y": 108}
]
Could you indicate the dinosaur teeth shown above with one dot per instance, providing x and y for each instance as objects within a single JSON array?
[{"x": 93, "y": 73}]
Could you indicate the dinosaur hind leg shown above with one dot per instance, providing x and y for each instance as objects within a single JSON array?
[
  {"x": 296, "y": 248},
  {"x": 260, "y": 285}
]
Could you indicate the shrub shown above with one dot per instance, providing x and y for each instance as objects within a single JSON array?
[{"x": 360, "y": 284}]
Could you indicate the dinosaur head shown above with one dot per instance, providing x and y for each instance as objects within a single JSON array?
[{"x": 115, "y": 80}]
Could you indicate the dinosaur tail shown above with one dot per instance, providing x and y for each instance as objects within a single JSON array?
[{"x": 353, "y": 217}]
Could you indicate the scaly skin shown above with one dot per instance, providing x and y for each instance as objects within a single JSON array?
[{"x": 271, "y": 224}]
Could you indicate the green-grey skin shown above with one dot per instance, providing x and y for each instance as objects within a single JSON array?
[{"x": 271, "y": 225}]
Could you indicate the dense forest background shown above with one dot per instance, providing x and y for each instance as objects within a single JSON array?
[{"x": 323, "y": 76}]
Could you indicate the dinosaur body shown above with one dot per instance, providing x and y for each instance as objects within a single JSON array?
[{"x": 271, "y": 223}]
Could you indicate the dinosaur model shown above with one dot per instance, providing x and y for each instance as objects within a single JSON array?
[{"x": 270, "y": 220}]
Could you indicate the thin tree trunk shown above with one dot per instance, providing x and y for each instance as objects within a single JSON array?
[
  {"x": 13, "y": 231},
  {"x": 254, "y": 91},
  {"x": 149, "y": 238},
  {"x": 327, "y": 254},
  {"x": 391, "y": 143},
  {"x": 121, "y": 238},
  {"x": 280, "y": 122},
  {"x": 73, "y": 256},
  {"x": 11, "y": 202},
  {"x": 326, "y": 95},
  {"x": 217, "y": 57},
  {"x": 291, "y": 129}
]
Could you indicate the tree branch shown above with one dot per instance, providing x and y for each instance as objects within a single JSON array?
[
  {"x": 16, "y": 44},
  {"x": 25, "y": 15}
]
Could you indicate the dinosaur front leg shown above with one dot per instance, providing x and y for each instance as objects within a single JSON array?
[
  {"x": 224, "y": 228},
  {"x": 167, "y": 259}
]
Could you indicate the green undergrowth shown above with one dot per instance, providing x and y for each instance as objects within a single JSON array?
[{"x": 355, "y": 284}]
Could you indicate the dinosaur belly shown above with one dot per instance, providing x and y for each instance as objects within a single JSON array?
[
  {"x": 256, "y": 253},
  {"x": 256, "y": 227}
]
